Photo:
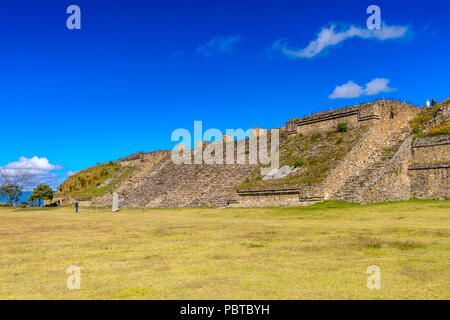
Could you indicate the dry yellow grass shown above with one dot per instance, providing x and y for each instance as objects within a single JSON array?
[{"x": 317, "y": 252}]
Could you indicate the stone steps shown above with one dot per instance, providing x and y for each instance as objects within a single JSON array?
[
  {"x": 355, "y": 186},
  {"x": 170, "y": 185}
]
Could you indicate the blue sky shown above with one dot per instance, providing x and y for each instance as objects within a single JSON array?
[{"x": 137, "y": 70}]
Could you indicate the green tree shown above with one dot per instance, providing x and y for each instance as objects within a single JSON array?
[
  {"x": 11, "y": 192},
  {"x": 41, "y": 192},
  {"x": 13, "y": 184}
]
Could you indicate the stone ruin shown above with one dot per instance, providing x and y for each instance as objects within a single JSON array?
[{"x": 417, "y": 168}]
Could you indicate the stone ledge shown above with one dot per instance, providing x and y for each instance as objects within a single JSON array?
[
  {"x": 429, "y": 166},
  {"x": 255, "y": 191},
  {"x": 431, "y": 141},
  {"x": 327, "y": 115},
  {"x": 305, "y": 191}
]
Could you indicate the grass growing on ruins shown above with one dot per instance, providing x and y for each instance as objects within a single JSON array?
[
  {"x": 316, "y": 252},
  {"x": 312, "y": 156},
  {"x": 95, "y": 181},
  {"x": 419, "y": 124}
]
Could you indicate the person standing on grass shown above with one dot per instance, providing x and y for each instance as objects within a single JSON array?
[{"x": 76, "y": 206}]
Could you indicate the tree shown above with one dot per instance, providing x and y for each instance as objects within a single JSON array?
[
  {"x": 12, "y": 192},
  {"x": 41, "y": 192},
  {"x": 13, "y": 184}
]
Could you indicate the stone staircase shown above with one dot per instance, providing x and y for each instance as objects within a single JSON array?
[
  {"x": 185, "y": 185},
  {"x": 356, "y": 187}
]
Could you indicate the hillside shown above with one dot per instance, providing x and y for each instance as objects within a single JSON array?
[{"x": 95, "y": 181}]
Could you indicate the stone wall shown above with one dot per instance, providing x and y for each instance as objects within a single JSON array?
[
  {"x": 429, "y": 172},
  {"x": 137, "y": 159},
  {"x": 431, "y": 149},
  {"x": 386, "y": 180},
  {"x": 67, "y": 200},
  {"x": 363, "y": 114},
  {"x": 283, "y": 196},
  {"x": 384, "y": 133},
  {"x": 430, "y": 181}
]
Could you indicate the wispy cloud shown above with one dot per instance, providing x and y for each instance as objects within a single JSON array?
[
  {"x": 353, "y": 90},
  {"x": 331, "y": 36},
  {"x": 219, "y": 45}
]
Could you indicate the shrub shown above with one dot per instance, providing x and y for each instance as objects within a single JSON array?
[
  {"x": 298, "y": 163},
  {"x": 417, "y": 130},
  {"x": 339, "y": 141},
  {"x": 103, "y": 172},
  {"x": 342, "y": 127}
]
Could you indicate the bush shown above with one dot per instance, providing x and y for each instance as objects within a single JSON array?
[
  {"x": 417, "y": 130},
  {"x": 342, "y": 127},
  {"x": 298, "y": 163},
  {"x": 103, "y": 172}
]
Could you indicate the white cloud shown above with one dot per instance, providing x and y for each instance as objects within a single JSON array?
[
  {"x": 378, "y": 85},
  {"x": 347, "y": 90},
  {"x": 33, "y": 163},
  {"x": 219, "y": 45},
  {"x": 40, "y": 169},
  {"x": 353, "y": 90},
  {"x": 329, "y": 37}
]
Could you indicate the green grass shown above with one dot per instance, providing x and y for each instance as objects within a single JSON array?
[
  {"x": 95, "y": 181},
  {"x": 419, "y": 124},
  {"x": 438, "y": 130},
  {"x": 316, "y": 252}
]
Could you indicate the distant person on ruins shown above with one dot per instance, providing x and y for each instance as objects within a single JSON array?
[
  {"x": 428, "y": 103},
  {"x": 76, "y": 207}
]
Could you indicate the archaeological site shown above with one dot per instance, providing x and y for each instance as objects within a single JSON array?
[{"x": 373, "y": 152}]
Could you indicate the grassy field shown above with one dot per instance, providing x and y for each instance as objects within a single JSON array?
[{"x": 317, "y": 252}]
